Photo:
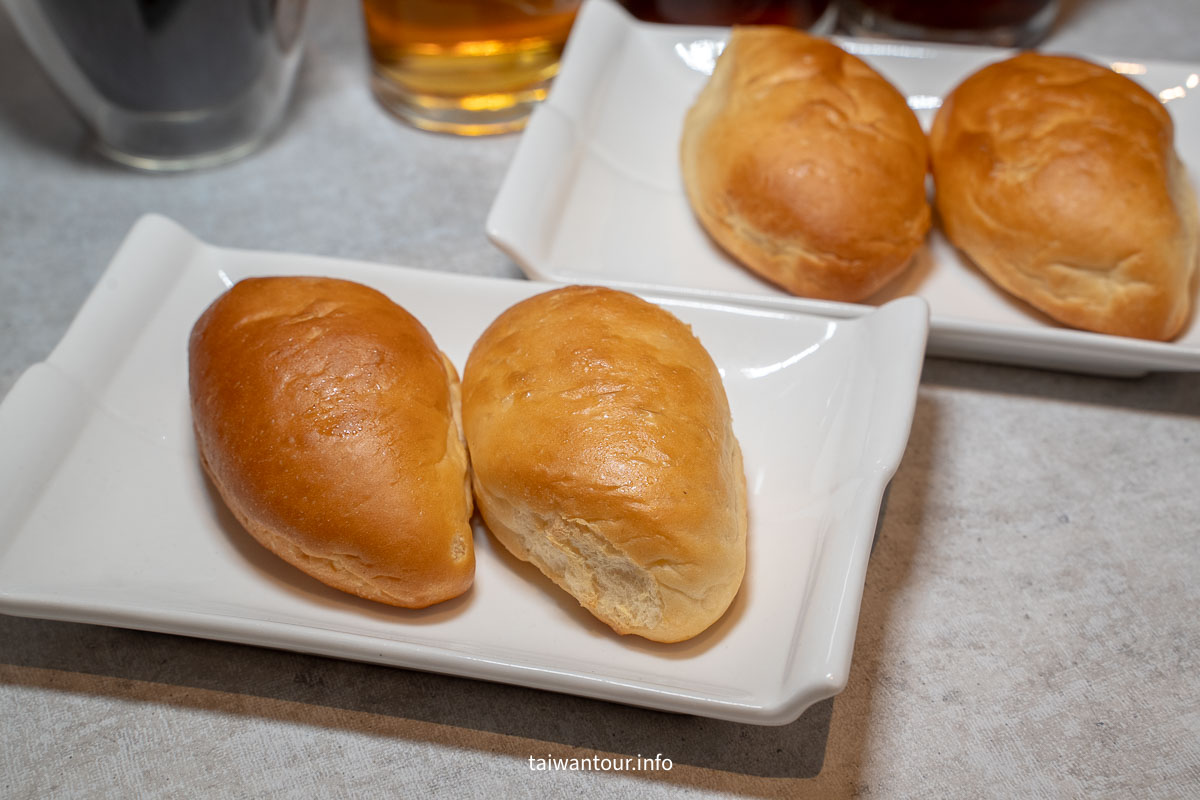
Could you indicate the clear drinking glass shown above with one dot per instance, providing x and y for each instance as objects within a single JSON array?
[
  {"x": 169, "y": 85},
  {"x": 468, "y": 67}
]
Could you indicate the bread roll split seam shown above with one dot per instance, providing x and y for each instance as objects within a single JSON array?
[{"x": 603, "y": 453}]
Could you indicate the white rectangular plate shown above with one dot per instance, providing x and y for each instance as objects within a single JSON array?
[
  {"x": 106, "y": 517},
  {"x": 594, "y": 192}
]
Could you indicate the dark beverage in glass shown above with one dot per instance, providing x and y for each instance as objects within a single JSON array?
[
  {"x": 169, "y": 84},
  {"x": 1003, "y": 23},
  {"x": 166, "y": 55},
  {"x": 795, "y": 13}
]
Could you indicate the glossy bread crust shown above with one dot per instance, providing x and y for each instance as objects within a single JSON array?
[
  {"x": 603, "y": 452},
  {"x": 1059, "y": 179},
  {"x": 328, "y": 420},
  {"x": 806, "y": 165}
]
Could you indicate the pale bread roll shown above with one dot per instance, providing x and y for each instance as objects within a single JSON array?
[
  {"x": 329, "y": 422},
  {"x": 806, "y": 165},
  {"x": 603, "y": 452},
  {"x": 1059, "y": 179}
]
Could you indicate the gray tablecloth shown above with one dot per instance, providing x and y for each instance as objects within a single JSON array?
[{"x": 1029, "y": 624}]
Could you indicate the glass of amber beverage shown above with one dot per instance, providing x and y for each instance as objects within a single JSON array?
[{"x": 468, "y": 67}]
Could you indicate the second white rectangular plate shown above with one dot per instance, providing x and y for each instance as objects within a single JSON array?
[
  {"x": 106, "y": 517},
  {"x": 594, "y": 193}
]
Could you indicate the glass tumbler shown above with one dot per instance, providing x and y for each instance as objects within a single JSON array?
[
  {"x": 168, "y": 85},
  {"x": 467, "y": 67}
]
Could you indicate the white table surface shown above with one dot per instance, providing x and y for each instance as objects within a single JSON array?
[{"x": 1029, "y": 625}]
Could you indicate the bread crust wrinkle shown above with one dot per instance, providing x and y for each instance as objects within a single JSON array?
[
  {"x": 603, "y": 452},
  {"x": 1059, "y": 179},
  {"x": 328, "y": 421},
  {"x": 806, "y": 165}
]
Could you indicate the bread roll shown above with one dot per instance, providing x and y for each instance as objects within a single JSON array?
[
  {"x": 806, "y": 165},
  {"x": 603, "y": 453},
  {"x": 1059, "y": 179},
  {"x": 329, "y": 422}
]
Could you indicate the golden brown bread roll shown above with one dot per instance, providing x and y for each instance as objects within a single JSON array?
[
  {"x": 806, "y": 165},
  {"x": 329, "y": 422},
  {"x": 1059, "y": 178},
  {"x": 603, "y": 452}
]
